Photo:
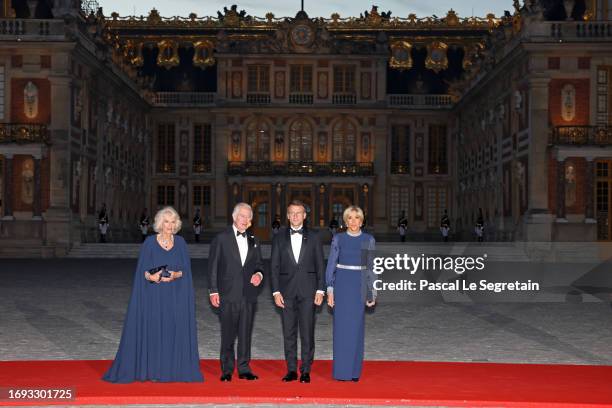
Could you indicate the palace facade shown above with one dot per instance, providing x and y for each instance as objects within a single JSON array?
[{"x": 508, "y": 117}]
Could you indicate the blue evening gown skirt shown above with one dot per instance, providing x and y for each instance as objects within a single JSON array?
[{"x": 349, "y": 325}]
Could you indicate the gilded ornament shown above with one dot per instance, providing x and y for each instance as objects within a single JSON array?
[
  {"x": 437, "y": 59},
  {"x": 168, "y": 54},
  {"x": 401, "y": 57},
  {"x": 203, "y": 54}
]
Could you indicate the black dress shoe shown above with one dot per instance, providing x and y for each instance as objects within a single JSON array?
[
  {"x": 305, "y": 378},
  {"x": 290, "y": 376},
  {"x": 248, "y": 376},
  {"x": 226, "y": 377},
  {"x": 355, "y": 379}
]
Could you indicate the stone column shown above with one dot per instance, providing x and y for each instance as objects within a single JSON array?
[
  {"x": 36, "y": 208},
  {"x": 8, "y": 187},
  {"x": 58, "y": 233},
  {"x": 560, "y": 190},
  {"x": 326, "y": 198},
  {"x": 315, "y": 213},
  {"x": 538, "y": 217},
  {"x": 378, "y": 219},
  {"x": 274, "y": 210},
  {"x": 589, "y": 204},
  {"x": 283, "y": 204},
  {"x": 223, "y": 190}
]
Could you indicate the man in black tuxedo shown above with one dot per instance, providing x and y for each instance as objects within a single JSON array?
[
  {"x": 298, "y": 284},
  {"x": 235, "y": 271}
]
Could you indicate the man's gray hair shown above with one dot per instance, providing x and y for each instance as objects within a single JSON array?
[{"x": 240, "y": 206}]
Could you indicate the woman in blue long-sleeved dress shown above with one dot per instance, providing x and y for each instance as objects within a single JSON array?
[
  {"x": 159, "y": 339},
  {"x": 350, "y": 280}
]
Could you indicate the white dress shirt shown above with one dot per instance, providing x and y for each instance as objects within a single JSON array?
[
  {"x": 296, "y": 247},
  {"x": 243, "y": 245},
  {"x": 296, "y": 243}
]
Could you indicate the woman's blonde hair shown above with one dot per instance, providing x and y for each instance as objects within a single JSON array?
[
  {"x": 159, "y": 219},
  {"x": 352, "y": 208}
]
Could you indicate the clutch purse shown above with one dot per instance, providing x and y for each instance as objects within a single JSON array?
[{"x": 165, "y": 273}]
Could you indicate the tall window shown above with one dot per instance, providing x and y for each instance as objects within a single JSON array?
[
  {"x": 300, "y": 78},
  {"x": 258, "y": 141},
  {"x": 165, "y": 195},
  {"x": 604, "y": 95},
  {"x": 344, "y": 140},
  {"x": 2, "y": 85},
  {"x": 400, "y": 149},
  {"x": 202, "y": 135},
  {"x": 438, "y": 163},
  {"x": 300, "y": 141},
  {"x": 400, "y": 202},
  {"x": 344, "y": 79},
  {"x": 1, "y": 186},
  {"x": 165, "y": 148},
  {"x": 201, "y": 196},
  {"x": 258, "y": 78},
  {"x": 436, "y": 204}
]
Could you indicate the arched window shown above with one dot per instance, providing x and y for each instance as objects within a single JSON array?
[
  {"x": 258, "y": 141},
  {"x": 344, "y": 141},
  {"x": 300, "y": 141}
]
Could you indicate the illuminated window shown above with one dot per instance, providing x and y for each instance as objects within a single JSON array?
[
  {"x": 258, "y": 141},
  {"x": 165, "y": 148},
  {"x": 300, "y": 141},
  {"x": 202, "y": 135},
  {"x": 344, "y": 141}
]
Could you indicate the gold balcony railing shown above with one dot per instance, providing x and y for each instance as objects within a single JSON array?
[{"x": 23, "y": 133}]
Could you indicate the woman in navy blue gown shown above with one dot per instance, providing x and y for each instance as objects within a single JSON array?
[
  {"x": 159, "y": 339},
  {"x": 350, "y": 279}
]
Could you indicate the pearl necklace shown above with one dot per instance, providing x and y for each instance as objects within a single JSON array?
[{"x": 166, "y": 243}]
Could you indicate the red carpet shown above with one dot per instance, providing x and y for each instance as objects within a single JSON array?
[{"x": 383, "y": 383}]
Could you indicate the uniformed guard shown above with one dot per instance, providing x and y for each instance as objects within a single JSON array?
[
  {"x": 445, "y": 226},
  {"x": 144, "y": 224},
  {"x": 276, "y": 224},
  {"x": 103, "y": 223},
  {"x": 479, "y": 228},
  {"x": 402, "y": 226},
  {"x": 197, "y": 225}
]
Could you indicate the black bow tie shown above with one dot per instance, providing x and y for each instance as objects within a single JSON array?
[
  {"x": 300, "y": 231},
  {"x": 238, "y": 233}
]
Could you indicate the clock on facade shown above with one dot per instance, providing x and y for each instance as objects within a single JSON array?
[{"x": 302, "y": 35}]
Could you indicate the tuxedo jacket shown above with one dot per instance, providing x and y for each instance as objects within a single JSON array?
[
  {"x": 304, "y": 277},
  {"x": 226, "y": 275}
]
